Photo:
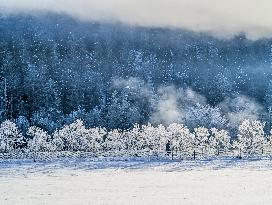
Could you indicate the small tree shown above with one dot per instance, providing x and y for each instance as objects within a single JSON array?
[
  {"x": 9, "y": 136},
  {"x": 163, "y": 136},
  {"x": 58, "y": 142},
  {"x": 113, "y": 142},
  {"x": 219, "y": 141},
  {"x": 154, "y": 139},
  {"x": 96, "y": 137},
  {"x": 40, "y": 141},
  {"x": 132, "y": 140},
  {"x": 251, "y": 139},
  {"x": 146, "y": 140},
  {"x": 201, "y": 140},
  {"x": 181, "y": 139}
]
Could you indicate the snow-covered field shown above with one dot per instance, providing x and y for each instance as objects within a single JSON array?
[{"x": 88, "y": 182}]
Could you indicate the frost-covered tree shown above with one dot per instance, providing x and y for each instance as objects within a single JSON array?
[
  {"x": 251, "y": 138},
  {"x": 146, "y": 140},
  {"x": 58, "y": 142},
  {"x": 113, "y": 143},
  {"x": 131, "y": 137},
  {"x": 151, "y": 140},
  {"x": 163, "y": 135},
  {"x": 40, "y": 140},
  {"x": 10, "y": 136},
  {"x": 96, "y": 136},
  {"x": 219, "y": 142},
  {"x": 143, "y": 141},
  {"x": 201, "y": 140},
  {"x": 181, "y": 139}
]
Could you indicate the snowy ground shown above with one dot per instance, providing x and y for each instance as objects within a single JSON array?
[{"x": 79, "y": 182}]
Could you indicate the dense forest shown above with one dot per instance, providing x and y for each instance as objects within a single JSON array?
[{"x": 55, "y": 70}]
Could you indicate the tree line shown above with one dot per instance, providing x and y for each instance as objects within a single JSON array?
[{"x": 139, "y": 141}]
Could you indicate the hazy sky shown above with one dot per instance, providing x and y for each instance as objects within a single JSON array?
[{"x": 223, "y": 18}]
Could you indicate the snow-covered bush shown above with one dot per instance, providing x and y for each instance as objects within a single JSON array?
[{"x": 10, "y": 136}]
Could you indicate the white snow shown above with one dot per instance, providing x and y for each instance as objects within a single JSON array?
[{"x": 136, "y": 182}]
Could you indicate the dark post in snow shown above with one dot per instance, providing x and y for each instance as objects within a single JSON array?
[
  {"x": 168, "y": 148},
  {"x": 240, "y": 153},
  {"x": 194, "y": 154}
]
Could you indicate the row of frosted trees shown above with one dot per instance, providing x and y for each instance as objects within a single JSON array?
[{"x": 176, "y": 140}]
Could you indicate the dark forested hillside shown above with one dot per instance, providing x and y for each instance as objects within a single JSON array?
[{"x": 55, "y": 69}]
